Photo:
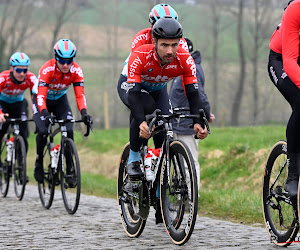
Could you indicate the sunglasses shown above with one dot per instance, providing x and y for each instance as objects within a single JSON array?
[
  {"x": 63, "y": 61},
  {"x": 19, "y": 70}
]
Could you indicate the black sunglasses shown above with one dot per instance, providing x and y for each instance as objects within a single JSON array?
[
  {"x": 19, "y": 70},
  {"x": 63, "y": 61}
]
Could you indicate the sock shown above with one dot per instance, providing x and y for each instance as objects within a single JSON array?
[
  {"x": 158, "y": 192},
  {"x": 133, "y": 156}
]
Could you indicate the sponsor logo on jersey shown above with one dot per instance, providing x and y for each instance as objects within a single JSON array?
[
  {"x": 48, "y": 69},
  {"x": 127, "y": 86},
  {"x": 191, "y": 62},
  {"x": 171, "y": 67},
  {"x": 40, "y": 99},
  {"x": 139, "y": 38},
  {"x": 134, "y": 65},
  {"x": 159, "y": 78},
  {"x": 76, "y": 70}
]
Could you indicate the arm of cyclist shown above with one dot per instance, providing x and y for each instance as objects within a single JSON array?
[
  {"x": 41, "y": 102},
  {"x": 290, "y": 42},
  {"x": 81, "y": 103}
]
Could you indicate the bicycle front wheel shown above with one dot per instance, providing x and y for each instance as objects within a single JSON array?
[
  {"x": 179, "y": 194},
  {"x": 70, "y": 178},
  {"x": 19, "y": 167},
  {"x": 47, "y": 187},
  {"x": 280, "y": 213},
  {"x": 5, "y": 170},
  {"x": 128, "y": 197}
]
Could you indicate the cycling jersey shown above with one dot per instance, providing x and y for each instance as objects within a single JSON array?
[
  {"x": 275, "y": 41},
  {"x": 144, "y": 67},
  {"x": 290, "y": 41},
  {"x": 53, "y": 84},
  {"x": 12, "y": 92},
  {"x": 145, "y": 37}
]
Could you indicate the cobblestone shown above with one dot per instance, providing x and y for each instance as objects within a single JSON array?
[{"x": 96, "y": 225}]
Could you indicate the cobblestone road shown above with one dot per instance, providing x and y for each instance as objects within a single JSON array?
[{"x": 96, "y": 225}]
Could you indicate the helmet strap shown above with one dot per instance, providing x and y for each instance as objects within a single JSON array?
[{"x": 156, "y": 41}]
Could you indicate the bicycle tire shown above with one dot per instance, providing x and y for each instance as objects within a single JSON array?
[
  {"x": 279, "y": 218},
  {"x": 5, "y": 169},
  {"x": 179, "y": 200},
  {"x": 128, "y": 205},
  {"x": 19, "y": 167},
  {"x": 47, "y": 187},
  {"x": 70, "y": 178}
]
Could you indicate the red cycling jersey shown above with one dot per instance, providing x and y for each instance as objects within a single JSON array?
[
  {"x": 290, "y": 41},
  {"x": 275, "y": 42},
  {"x": 144, "y": 36},
  {"x": 144, "y": 67},
  {"x": 53, "y": 84},
  {"x": 11, "y": 92}
]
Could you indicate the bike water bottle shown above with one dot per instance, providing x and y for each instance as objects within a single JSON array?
[
  {"x": 54, "y": 156},
  {"x": 9, "y": 148},
  {"x": 155, "y": 157},
  {"x": 148, "y": 159}
]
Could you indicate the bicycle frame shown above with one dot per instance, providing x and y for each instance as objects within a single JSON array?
[
  {"x": 152, "y": 118},
  {"x": 63, "y": 130}
]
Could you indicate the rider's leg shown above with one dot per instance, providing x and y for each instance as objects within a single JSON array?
[
  {"x": 293, "y": 138},
  {"x": 292, "y": 94},
  {"x": 41, "y": 140},
  {"x": 133, "y": 167}
]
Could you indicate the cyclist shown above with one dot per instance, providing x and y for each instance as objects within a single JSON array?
[
  {"x": 55, "y": 77},
  {"x": 181, "y": 127},
  {"x": 13, "y": 84},
  {"x": 144, "y": 36},
  {"x": 284, "y": 72},
  {"x": 150, "y": 67}
]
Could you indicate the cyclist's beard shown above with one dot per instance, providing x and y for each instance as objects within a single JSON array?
[{"x": 164, "y": 60}]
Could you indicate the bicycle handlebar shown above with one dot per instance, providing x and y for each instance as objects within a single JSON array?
[
  {"x": 12, "y": 120},
  {"x": 177, "y": 113},
  {"x": 89, "y": 126}
]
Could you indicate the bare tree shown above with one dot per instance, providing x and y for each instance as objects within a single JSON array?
[
  {"x": 262, "y": 20},
  {"x": 63, "y": 12},
  {"x": 216, "y": 8},
  {"x": 235, "y": 111},
  {"x": 15, "y": 27}
]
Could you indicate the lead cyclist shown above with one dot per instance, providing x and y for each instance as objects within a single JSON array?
[{"x": 150, "y": 68}]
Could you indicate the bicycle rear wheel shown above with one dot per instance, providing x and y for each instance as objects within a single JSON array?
[
  {"x": 179, "y": 198},
  {"x": 280, "y": 213},
  {"x": 47, "y": 187},
  {"x": 128, "y": 197},
  {"x": 5, "y": 169},
  {"x": 19, "y": 167},
  {"x": 70, "y": 176}
]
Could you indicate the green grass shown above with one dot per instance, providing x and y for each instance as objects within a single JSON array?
[{"x": 231, "y": 181}]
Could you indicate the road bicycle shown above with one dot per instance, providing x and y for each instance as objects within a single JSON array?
[
  {"x": 280, "y": 212},
  {"x": 61, "y": 168},
  {"x": 13, "y": 158},
  {"x": 175, "y": 178}
]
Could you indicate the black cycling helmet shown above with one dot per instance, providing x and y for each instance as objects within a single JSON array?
[{"x": 167, "y": 27}]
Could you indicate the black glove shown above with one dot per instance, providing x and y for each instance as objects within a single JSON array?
[
  {"x": 47, "y": 117},
  {"x": 87, "y": 119}
]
